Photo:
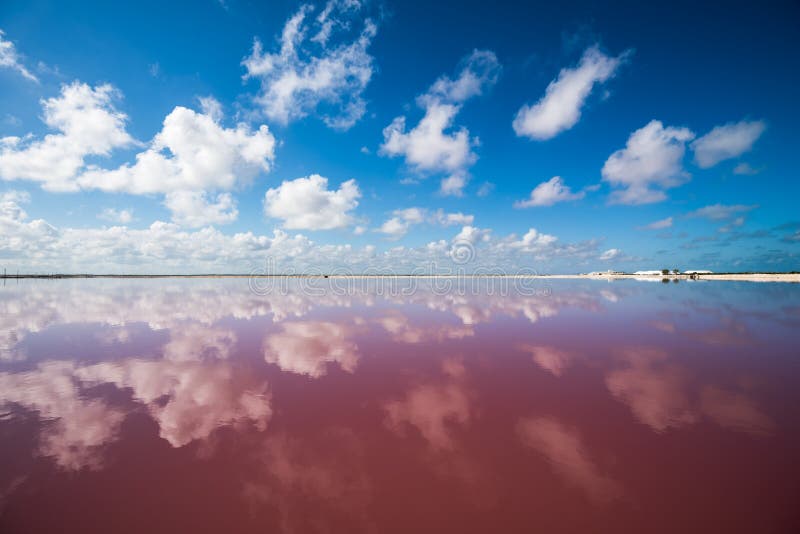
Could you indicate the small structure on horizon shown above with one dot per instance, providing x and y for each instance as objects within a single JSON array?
[
  {"x": 646, "y": 273},
  {"x": 697, "y": 271}
]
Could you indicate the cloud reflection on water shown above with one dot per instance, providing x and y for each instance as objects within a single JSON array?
[{"x": 451, "y": 385}]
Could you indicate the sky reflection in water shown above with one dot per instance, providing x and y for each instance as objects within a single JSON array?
[{"x": 178, "y": 405}]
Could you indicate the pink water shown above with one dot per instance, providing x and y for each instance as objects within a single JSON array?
[{"x": 573, "y": 406}]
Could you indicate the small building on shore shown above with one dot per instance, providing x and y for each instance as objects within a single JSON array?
[{"x": 697, "y": 271}]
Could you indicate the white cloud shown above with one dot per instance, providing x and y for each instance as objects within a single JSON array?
[
  {"x": 472, "y": 234},
  {"x": 10, "y": 205},
  {"x": 211, "y": 107},
  {"x": 194, "y": 209},
  {"x": 725, "y": 142},
  {"x": 87, "y": 124},
  {"x": 36, "y": 246},
  {"x": 398, "y": 225},
  {"x": 307, "y": 204},
  {"x": 394, "y": 227},
  {"x": 431, "y": 146},
  {"x": 454, "y": 184},
  {"x": 427, "y": 147},
  {"x": 401, "y": 221},
  {"x": 412, "y": 215},
  {"x": 650, "y": 162},
  {"x": 118, "y": 216},
  {"x": 548, "y": 193},
  {"x": 450, "y": 219},
  {"x": 611, "y": 254},
  {"x": 192, "y": 152},
  {"x": 660, "y": 224},
  {"x": 9, "y": 59},
  {"x": 308, "y": 72},
  {"x": 533, "y": 241},
  {"x": 479, "y": 71},
  {"x": 192, "y": 155},
  {"x": 720, "y": 212},
  {"x": 560, "y": 107}
]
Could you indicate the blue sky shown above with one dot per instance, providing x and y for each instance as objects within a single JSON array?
[{"x": 158, "y": 137}]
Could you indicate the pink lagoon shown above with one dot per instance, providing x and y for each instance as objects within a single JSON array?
[{"x": 213, "y": 405}]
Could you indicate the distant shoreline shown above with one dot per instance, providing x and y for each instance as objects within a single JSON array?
[{"x": 741, "y": 277}]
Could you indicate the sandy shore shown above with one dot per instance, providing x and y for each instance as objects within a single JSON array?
[
  {"x": 755, "y": 277},
  {"x": 739, "y": 277}
]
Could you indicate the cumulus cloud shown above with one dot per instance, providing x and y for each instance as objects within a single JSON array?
[
  {"x": 534, "y": 241},
  {"x": 398, "y": 225},
  {"x": 35, "y": 246},
  {"x": 433, "y": 146},
  {"x": 401, "y": 221},
  {"x": 116, "y": 216},
  {"x": 307, "y": 204},
  {"x": 193, "y": 153},
  {"x": 10, "y": 208},
  {"x": 320, "y": 66},
  {"x": 86, "y": 124},
  {"x": 651, "y": 161},
  {"x": 9, "y": 58},
  {"x": 727, "y": 141},
  {"x": 560, "y": 107},
  {"x": 194, "y": 209},
  {"x": 548, "y": 193},
  {"x": 472, "y": 234}
]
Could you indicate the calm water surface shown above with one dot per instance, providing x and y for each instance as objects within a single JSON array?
[{"x": 571, "y": 406}]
